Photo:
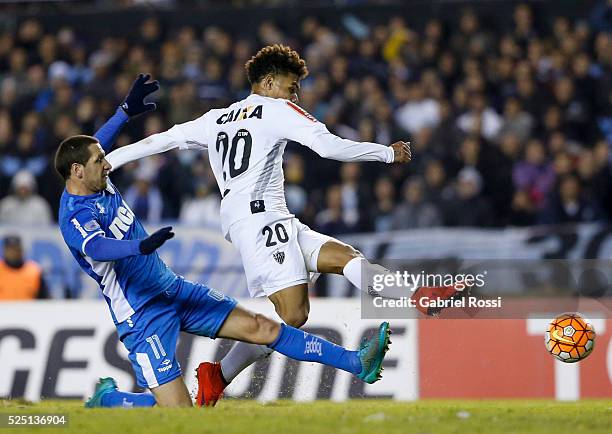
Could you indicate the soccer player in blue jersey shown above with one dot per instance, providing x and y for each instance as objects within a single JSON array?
[{"x": 148, "y": 302}]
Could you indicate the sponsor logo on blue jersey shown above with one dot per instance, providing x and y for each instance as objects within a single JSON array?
[{"x": 127, "y": 283}]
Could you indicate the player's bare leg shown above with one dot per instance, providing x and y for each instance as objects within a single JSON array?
[
  {"x": 108, "y": 395},
  {"x": 246, "y": 326},
  {"x": 292, "y": 304},
  {"x": 172, "y": 394},
  {"x": 334, "y": 255},
  {"x": 241, "y": 324},
  {"x": 339, "y": 258}
]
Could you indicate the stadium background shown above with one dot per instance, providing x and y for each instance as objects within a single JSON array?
[{"x": 507, "y": 106}]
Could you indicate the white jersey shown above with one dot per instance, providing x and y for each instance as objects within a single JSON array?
[{"x": 246, "y": 142}]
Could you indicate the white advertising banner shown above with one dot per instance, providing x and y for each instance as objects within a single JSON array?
[{"x": 58, "y": 349}]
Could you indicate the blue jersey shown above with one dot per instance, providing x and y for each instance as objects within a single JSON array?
[{"x": 128, "y": 283}]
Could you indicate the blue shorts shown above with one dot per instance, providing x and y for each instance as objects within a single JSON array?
[{"x": 150, "y": 334}]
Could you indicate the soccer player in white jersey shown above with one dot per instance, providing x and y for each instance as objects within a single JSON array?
[{"x": 246, "y": 142}]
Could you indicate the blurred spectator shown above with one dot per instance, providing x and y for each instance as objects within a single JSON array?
[
  {"x": 480, "y": 119},
  {"x": 24, "y": 206},
  {"x": 20, "y": 279},
  {"x": 593, "y": 172},
  {"x": 523, "y": 211},
  {"x": 415, "y": 211},
  {"x": 568, "y": 203},
  {"x": 534, "y": 175},
  {"x": 384, "y": 192},
  {"x": 418, "y": 111},
  {"x": 516, "y": 121},
  {"x": 331, "y": 219},
  {"x": 437, "y": 189},
  {"x": 295, "y": 193},
  {"x": 468, "y": 207},
  {"x": 203, "y": 209},
  {"x": 575, "y": 111},
  {"x": 144, "y": 198},
  {"x": 601, "y": 16},
  {"x": 355, "y": 197},
  {"x": 446, "y": 134}
]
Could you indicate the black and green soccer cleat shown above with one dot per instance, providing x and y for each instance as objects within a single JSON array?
[
  {"x": 372, "y": 352},
  {"x": 104, "y": 386}
]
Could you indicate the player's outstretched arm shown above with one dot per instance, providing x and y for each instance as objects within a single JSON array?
[
  {"x": 182, "y": 136},
  {"x": 133, "y": 106},
  {"x": 301, "y": 127},
  {"x": 104, "y": 249},
  {"x": 333, "y": 147}
]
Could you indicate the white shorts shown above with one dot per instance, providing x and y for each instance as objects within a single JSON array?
[{"x": 276, "y": 251}]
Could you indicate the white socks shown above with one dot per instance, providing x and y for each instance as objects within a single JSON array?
[
  {"x": 240, "y": 356},
  {"x": 361, "y": 273}
]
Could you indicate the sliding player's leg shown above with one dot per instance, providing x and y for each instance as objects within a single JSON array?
[
  {"x": 246, "y": 326},
  {"x": 172, "y": 394},
  {"x": 107, "y": 394},
  {"x": 206, "y": 312}
]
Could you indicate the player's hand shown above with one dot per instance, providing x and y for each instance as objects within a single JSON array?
[
  {"x": 134, "y": 104},
  {"x": 155, "y": 240},
  {"x": 402, "y": 153}
]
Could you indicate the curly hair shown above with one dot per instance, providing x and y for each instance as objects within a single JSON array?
[{"x": 275, "y": 59}]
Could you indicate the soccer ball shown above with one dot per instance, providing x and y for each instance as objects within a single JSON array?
[{"x": 570, "y": 337}]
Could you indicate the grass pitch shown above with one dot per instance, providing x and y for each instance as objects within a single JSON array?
[{"x": 359, "y": 416}]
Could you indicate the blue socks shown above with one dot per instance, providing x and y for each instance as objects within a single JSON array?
[
  {"x": 303, "y": 346},
  {"x": 116, "y": 398}
]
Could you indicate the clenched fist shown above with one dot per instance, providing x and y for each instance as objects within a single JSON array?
[{"x": 402, "y": 152}]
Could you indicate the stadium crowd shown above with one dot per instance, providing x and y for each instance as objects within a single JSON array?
[{"x": 508, "y": 125}]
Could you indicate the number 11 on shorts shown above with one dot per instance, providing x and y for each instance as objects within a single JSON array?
[{"x": 156, "y": 346}]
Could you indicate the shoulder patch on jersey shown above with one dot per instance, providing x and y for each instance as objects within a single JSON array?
[
  {"x": 301, "y": 111},
  {"x": 91, "y": 225}
]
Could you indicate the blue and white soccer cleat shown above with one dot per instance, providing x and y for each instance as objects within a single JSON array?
[
  {"x": 372, "y": 352},
  {"x": 104, "y": 386}
]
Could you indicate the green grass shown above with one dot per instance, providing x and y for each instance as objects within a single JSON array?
[{"x": 359, "y": 416}]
